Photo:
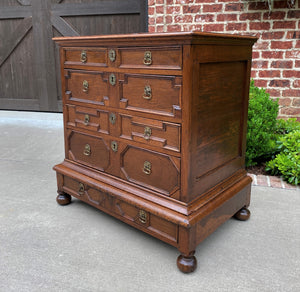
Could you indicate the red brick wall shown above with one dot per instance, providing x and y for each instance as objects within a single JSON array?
[{"x": 276, "y": 55}]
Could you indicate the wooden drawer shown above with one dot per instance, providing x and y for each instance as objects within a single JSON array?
[
  {"x": 151, "y": 57},
  {"x": 153, "y": 170},
  {"x": 87, "y": 118},
  {"x": 86, "y": 86},
  {"x": 151, "y": 132},
  {"x": 146, "y": 220},
  {"x": 85, "y": 57},
  {"x": 151, "y": 93},
  {"x": 89, "y": 150}
]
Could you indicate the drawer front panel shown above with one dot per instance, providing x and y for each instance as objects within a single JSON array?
[
  {"x": 151, "y": 93},
  {"x": 87, "y": 87},
  {"x": 151, "y": 132},
  {"x": 149, "y": 221},
  {"x": 153, "y": 170},
  {"x": 87, "y": 118},
  {"x": 151, "y": 57},
  {"x": 88, "y": 150},
  {"x": 86, "y": 57}
]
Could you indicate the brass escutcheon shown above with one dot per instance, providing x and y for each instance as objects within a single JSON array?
[
  {"x": 112, "y": 118},
  {"x": 112, "y": 79},
  {"x": 85, "y": 86},
  {"x": 83, "y": 56},
  {"x": 114, "y": 146},
  {"x": 147, "y": 133},
  {"x": 86, "y": 119},
  {"x": 87, "y": 150},
  {"x": 142, "y": 216},
  {"x": 112, "y": 55},
  {"x": 147, "y": 167},
  {"x": 147, "y": 58},
  {"x": 81, "y": 189},
  {"x": 147, "y": 92}
]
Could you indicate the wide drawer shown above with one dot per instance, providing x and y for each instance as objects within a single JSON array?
[
  {"x": 87, "y": 118},
  {"x": 151, "y": 57},
  {"x": 151, "y": 93},
  {"x": 151, "y": 132},
  {"x": 89, "y": 150},
  {"x": 125, "y": 211},
  {"x": 85, "y": 57},
  {"x": 152, "y": 170},
  {"x": 86, "y": 86}
]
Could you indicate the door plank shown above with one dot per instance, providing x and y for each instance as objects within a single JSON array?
[
  {"x": 15, "y": 12},
  {"x": 62, "y": 26},
  {"x": 14, "y": 39}
]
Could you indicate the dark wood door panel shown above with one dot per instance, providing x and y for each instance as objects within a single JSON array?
[{"x": 29, "y": 59}]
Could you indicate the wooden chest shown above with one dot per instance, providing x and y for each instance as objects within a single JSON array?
[{"x": 155, "y": 128}]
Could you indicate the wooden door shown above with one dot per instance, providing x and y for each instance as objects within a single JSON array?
[{"x": 29, "y": 71}]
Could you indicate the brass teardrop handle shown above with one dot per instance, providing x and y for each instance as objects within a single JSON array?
[
  {"x": 147, "y": 92},
  {"x": 147, "y": 167},
  {"x": 147, "y": 133},
  {"x": 87, "y": 150},
  {"x": 83, "y": 56},
  {"x": 147, "y": 58},
  {"x": 85, "y": 86},
  {"x": 81, "y": 189},
  {"x": 142, "y": 216}
]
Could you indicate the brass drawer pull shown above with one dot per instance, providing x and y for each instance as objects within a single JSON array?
[
  {"x": 87, "y": 150},
  {"x": 112, "y": 79},
  {"x": 143, "y": 216},
  {"x": 147, "y": 167},
  {"x": 112, "y": 55},
  {"x": 147, "y": 133},
  {"x": 81, "y": 189},
  {"x": 83, "y": 56},
  {"x": 147, "y": 58},
  {"x": 147, "y": 92},
  {"x": 114, "y": 146},
  {"x": 86, "y": 119},
  {"x": 85, "y": 86}
]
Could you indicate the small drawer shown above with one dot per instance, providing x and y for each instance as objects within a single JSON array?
[
  {"x": 84, "y": 192},
  {"x": 151, "y": 132},
  {"x": 148, "y": 221},
  {"x": 88, "y": 87},
  {"x": 87, "y": 118},
  {"x": 151, "y": 93},
  {"x": 152, "y": 170},
  {"x": 151, "y": 57},
  {"x": 86, "y": 57},
  {"x": 89, "y": 150}
]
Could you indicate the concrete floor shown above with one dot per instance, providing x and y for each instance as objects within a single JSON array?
[{"x": 47, "y": 247}]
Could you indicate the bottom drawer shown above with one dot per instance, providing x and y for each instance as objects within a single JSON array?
[{"x": 127, "y": 212}]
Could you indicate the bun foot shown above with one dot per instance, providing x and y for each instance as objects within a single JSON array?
[
  {"x": 243, "y": 214},
  {"x": 187, "y": 264},
  {"x": 63, "y": 199}
]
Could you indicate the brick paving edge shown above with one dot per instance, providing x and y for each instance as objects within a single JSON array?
[{"x": 271, "y": 181}]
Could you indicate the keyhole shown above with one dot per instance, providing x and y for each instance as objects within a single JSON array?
[
  {"x": 114, "y": 146},
  {"x": 112, "y": 79}
]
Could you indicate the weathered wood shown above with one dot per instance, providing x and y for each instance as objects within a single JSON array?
[
  {"x": 62, "y": 26},
  {"x": 14, "y": 39},
  {"x": 97, "y": 8},
  {"x": 15, "y": 12}
]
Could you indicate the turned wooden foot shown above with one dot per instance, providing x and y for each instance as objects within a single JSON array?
[
  {"x": 63, "y": 199},
  {"x": 243, "y": 214},
  {"x": 187, "y": 264}
]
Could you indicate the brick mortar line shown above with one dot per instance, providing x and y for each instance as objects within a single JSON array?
[{"x": 271, "y": 181}]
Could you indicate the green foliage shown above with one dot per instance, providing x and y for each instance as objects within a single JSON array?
[
  {"x": 287, "y": 126},
  {"x": 287, "y": 162},
  {"x": 261, "y": 137}
]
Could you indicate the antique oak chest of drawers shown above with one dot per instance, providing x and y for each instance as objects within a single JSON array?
[{"x": 155, "y": 128}]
